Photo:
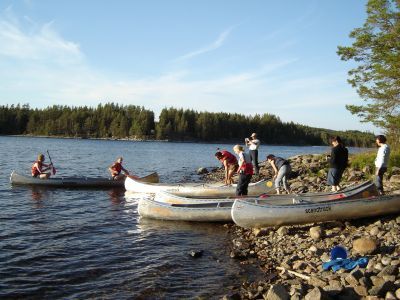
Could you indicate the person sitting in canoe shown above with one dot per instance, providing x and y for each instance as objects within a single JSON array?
[
  {"x": 116, "y": 168},
  {"x": 229, "y": 162},
  {"x": 39, "y": 168},
  {"x": 282, "y": 170}
]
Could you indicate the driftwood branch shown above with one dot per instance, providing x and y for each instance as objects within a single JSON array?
[{"x": 302, "y": 276}]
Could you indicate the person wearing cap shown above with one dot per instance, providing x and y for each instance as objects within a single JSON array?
[
  {"x": 381, "y": 162},
  {"x": 116, "y": 168},
  {"x": 229, "y": 162},
  {"x": 39, "y": 168},
  {"x": 253, "y": 143},
  {"x": 282, "y": 171},
  {"x": 245, "y": 171}
]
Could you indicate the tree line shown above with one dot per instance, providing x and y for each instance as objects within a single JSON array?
[{"x": 135, "y": 122}]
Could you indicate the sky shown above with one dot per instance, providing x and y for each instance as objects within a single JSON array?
[{"x": 247, "y": 57}]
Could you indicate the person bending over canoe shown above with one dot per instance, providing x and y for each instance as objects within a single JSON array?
[
  {"x": 39, "y": 168},
  {"x": 282, "y": 170},
  {"x": 229, "y": 162},
  {"x": 116, "y": 168},
  {"x": 245, "y": 171}
]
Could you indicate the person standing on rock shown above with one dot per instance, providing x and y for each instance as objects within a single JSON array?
[
  {"x": 229, "y": 162},
  {"x": 282, "y": 171},
  {"x": 338, "y": 162},
  {"x": 381, "y": 162},
  {"x": 253, "y": 143},
  {"x": 245, "y": 171}
]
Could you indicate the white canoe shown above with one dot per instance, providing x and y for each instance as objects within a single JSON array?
[
  {"x": 94, "y": 182},
  {"x": 362, "y": 190},
  {"x": 205, "y": 212},
  {"x": 197, "y": 189},
  {"x": 220, "y": 210},
  {"x": 254, "y": 215}
]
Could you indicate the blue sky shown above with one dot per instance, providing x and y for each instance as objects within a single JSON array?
[{"x": 245, "y": 57}]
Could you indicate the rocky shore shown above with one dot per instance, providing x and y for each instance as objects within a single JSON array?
[{"x": 292, "y": 257}]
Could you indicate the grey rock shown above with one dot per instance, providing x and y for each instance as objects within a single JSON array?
[
  {"x": 314, "y": 294},
  {"x": 276, "y": 292},
  {"x": 316, "y": 233}
]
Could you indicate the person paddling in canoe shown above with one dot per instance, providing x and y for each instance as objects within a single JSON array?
[
  {"x": 229, "y": 162},
  {"x": 116, "y": 168},
  {"x": 39, "y": 168}
]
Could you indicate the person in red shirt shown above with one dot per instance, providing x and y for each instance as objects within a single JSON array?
[
  {"x": 229, "y": 162},
  {"x": 39, "y": 168},
  {"x": 116, "y": 168}
]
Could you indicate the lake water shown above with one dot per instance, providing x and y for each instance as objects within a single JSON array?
[{"x": 67, "y": 243}]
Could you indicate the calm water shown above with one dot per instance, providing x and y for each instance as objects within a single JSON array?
[{"x": 66, "y": 243}]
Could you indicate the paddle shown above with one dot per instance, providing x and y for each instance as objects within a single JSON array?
[{"x": 52, "y": 166}]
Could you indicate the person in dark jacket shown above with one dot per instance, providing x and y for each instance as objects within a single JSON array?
[{"x": 338, "y": 162}]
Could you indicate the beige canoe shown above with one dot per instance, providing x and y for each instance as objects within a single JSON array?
[
  {"x": 220, "y": 211},
  {"x": 362, "y": 190},
  {"x": 255, "y": 215},
  {"x": 196, "y": 189}
]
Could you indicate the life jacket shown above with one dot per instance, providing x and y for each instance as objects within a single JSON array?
[
  {"x": 34, "y": 170},
  {"x": 117, "y": 168},
  {"x": 246, "y": 167},
  {"x": 229, "y": 157}
]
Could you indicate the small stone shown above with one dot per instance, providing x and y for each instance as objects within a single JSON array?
[
  {"x": 388, "y": 270},
  {"x": 361, "y": 290},
  {"x": 316, "y": 233},
  {"x": 276, "y": 292},
  {"x": 374, "y": 231},
  {"x": 390, "y": 296},
  {"x": 314, "y": 294},
  {"x": 398, "y": 293},
  {"x": 315, "y": 281},
  {"x": 364, "y": 246},
  {"x": 196, "y": 253},
  {"x": 282, "y": 231},
  {"x": 201, "y": 171},
  {"x": 386, "y": 260},
  {"x": 313, "y": 249}
]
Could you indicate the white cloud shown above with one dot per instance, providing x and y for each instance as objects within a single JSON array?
[
  {"x": 213, "y": 46},
  {"x": 42, "y": 43},
  {"x": 42, "y": 68}
]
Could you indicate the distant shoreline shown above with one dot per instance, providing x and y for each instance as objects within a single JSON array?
[{"x": 233, "y": 142}]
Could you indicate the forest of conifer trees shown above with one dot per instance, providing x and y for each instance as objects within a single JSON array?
[{"x": 135, "y": 122}]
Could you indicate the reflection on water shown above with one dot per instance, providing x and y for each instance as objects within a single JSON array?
[
  {"x": 117, "y": 195},
  {"x": 88, "y": 243}
]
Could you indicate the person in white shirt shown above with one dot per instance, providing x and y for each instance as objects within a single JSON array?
[
  {"x": 253, "y": 143},
  {"x": 381, "y": 162}
]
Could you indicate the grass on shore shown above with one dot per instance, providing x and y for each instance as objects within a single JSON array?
[{"x": 367, "y": 159}]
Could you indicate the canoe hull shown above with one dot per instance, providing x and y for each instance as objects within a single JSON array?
[
  {"x": 252, "y": 215},
  {"x": 210, "y": 212},
  {"x": 197, "y": 189},
  {"x": 363, "y": 190},
  {"x": 73, "y": 182}
]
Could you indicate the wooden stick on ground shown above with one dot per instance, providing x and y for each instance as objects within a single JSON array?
[{"x": 302, "y": 276}]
